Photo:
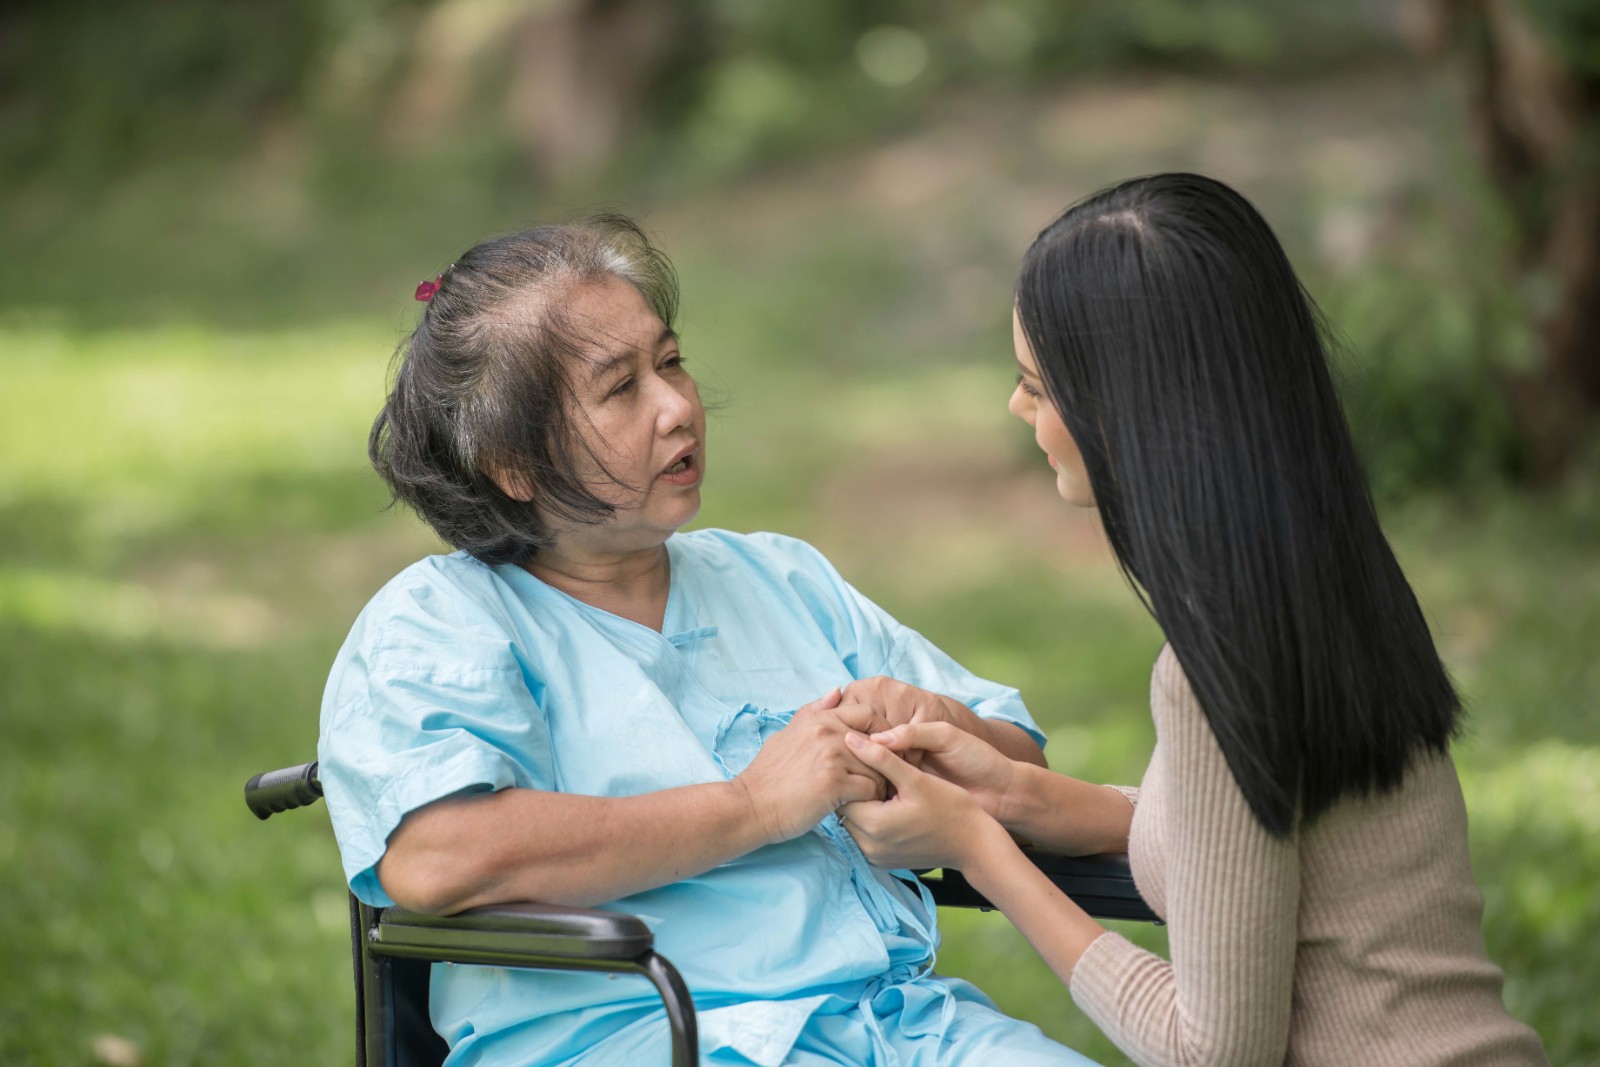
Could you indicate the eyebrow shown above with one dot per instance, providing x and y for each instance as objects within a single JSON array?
[
  {"x": 1025, "y": 372},
  {"x": 605, "y": 364}
]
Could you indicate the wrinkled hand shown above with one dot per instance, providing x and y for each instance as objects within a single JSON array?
[
  {"x": 957, "y": 756},
  {"x": 900, "y": 703},
  {"x": 806, "y": 770},
  {"x": 859, "y": 716},
  {"x": 929, "y": 822}
]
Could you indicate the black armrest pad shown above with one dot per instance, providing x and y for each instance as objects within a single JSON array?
[
  {"x": 511, "y": 935},
  {"x": 1101, "y": 885}
]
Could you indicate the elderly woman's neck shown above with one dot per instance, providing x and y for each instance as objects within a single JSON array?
[{"x": 632, "y": 584}]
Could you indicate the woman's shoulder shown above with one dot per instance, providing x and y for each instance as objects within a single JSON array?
[
  {"x": 441, "y": 592},
  {"x": 1167, "y": 680},
  {"x": 763, "y": 549},
  {"x": 1173, "y": 704},
  {"x": 435, "y": 620},
  {"x": 435, "y": 582}
]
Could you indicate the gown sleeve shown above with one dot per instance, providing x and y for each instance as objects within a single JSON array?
[
  {"x": 1232, "y": 909},
  {"x": 428, "y": 698}
]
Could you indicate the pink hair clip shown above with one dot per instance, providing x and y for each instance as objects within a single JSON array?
[{"x": 428, "y": 290}]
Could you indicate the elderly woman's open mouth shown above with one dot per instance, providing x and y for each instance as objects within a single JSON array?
[{"x": 685, "y": 470}]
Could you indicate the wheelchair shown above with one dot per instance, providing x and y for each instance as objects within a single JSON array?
[{"x": 393, "y": 949}]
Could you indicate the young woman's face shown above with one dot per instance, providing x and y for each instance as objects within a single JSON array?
[
  {"x": 1030, "y": 404},
  {"x": 640, "y": 414}
]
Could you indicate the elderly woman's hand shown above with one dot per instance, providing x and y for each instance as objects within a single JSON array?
[
  {"x": 899, "y": 702},
  {"x": 806, "y": 770},
  {"x": 929, "y": 822}
]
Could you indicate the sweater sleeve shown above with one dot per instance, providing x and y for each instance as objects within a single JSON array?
[
  {"x": 1130, "y": 793},
  {"x": 1232, "y": 903}
]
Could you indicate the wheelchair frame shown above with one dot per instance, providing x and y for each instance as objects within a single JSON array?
[{"x": 393, "y": 949}]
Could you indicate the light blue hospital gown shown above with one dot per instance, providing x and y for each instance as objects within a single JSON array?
[{"x": 461, "y": 676}]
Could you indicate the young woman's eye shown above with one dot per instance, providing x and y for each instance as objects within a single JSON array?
[{"x": 1027, "y": 390}]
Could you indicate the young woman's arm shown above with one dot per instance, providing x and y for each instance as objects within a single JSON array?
[
  {"x": 1232, "y": 902},
  {"x": 1232, "y": 895},
  {"x": 1066, "y": 815},
  {"x": 933, "y": 822},
  {"x": 1050, "y": 810}
]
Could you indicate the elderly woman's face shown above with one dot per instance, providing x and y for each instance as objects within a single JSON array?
[{"x": 640, "y": 413}]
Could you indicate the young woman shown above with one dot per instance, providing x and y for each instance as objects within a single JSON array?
[{"x": 1300, "y": 826}]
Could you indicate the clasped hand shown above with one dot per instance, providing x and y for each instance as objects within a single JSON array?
[
  {"x": 941, "y": 814},
  {"x": 901, "y": 765},
  {"x": 806, "y": 771},
  {"x": 900, "y": 703}
]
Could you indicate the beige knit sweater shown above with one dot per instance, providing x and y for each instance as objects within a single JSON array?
[{"x": 1357, "y": 943}]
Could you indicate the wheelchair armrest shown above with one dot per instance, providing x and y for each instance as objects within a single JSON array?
[
  {"x": 544, "y": 937},
  {"x": 1100, "y": 885},
  {"x": 513, "y": 935}
]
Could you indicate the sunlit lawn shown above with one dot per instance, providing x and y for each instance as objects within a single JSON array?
[{"x": 189, "y": 528}]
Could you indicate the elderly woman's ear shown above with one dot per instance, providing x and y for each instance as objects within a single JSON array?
[{"x": 518, "y": 485}]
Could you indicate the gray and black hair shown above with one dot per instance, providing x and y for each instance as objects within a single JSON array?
[{"x": 482, "y": 392}]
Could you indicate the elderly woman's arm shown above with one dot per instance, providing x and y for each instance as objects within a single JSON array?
[{"x": 528, "y": 844}]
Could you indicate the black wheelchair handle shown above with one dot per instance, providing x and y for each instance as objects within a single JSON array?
[{"x": 283, "y": 790}]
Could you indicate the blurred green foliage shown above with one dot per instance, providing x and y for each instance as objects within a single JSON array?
[
  {"x": 777, "y": 80},
  {"x": 1573, "y": 27},
  {"x": 1427, "y": 344},
  {"x": 291, "y": 104},
  {"x": 90, "y": 88}
]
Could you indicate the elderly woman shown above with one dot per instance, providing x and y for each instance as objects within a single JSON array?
[{"x": 582, "y": 705}]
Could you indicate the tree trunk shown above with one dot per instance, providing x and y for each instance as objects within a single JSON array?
[
  {"x": 580, "y": 70},
  {"x": 1537, "y": 121}
]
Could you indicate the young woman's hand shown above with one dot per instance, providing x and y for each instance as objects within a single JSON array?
[
  {"x": 986, "y": 773},
  {"x": 929, "y": 822}
]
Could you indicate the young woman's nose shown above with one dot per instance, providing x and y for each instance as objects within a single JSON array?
[{"x": 1020, "y": 404}]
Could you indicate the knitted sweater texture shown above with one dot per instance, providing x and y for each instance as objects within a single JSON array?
[{"x": 1356, "y": 942}]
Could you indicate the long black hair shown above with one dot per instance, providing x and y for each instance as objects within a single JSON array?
[{"x": 1190, "y": 367}]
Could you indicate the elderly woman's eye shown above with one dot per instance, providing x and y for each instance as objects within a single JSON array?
[
  {"x": 624, "y": 386},
  {"x": 671, "y": 361}
]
